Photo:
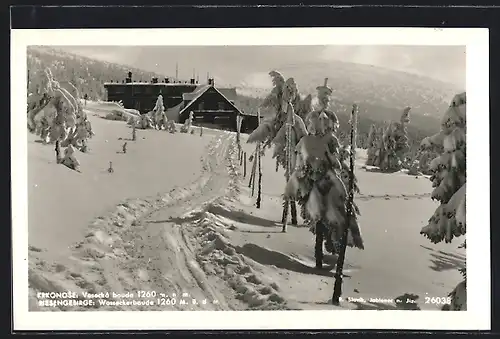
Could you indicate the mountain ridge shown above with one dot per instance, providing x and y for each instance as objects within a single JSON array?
[{"x": 89, "y": 75}]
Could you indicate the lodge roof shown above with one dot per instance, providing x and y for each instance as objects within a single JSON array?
[{"x": 202, "y": 89}]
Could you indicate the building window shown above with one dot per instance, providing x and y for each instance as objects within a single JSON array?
[
  {"x": 221, "y": 105},
  {"x": 201, "y": 106}
]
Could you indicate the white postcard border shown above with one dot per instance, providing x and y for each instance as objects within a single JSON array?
[{"x": 477, "y": 317}]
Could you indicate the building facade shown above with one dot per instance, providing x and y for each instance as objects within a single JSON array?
[{"x": 211, "y": 106}]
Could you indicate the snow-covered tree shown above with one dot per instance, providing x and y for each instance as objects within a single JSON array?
[
  {"x": 187, "y": 123},
  {"x": 285, "y": 99},
  {"x": 70, "y": 160},
  {"x": 56, "y": 113},
  {"x": 449, "y": 182},
  {"x": 426, "y": 155},
  {"x": 145, "y": 122},
  {"x": 158, "y": 114},
  {"x": 171, "y": 126},
  {"x": 394, "y": 144},
  {"x": 372, "y": 143},
  {"x": 320, "y": 178}
]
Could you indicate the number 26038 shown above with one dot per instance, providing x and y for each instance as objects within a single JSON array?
[{"x": 438, "y": 300}]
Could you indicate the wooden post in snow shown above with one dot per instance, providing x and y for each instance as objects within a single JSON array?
[
  {"x": 259, "y": 191},
  {"x": 244, "y": 164},
  {"x": 238, "y": 137},
  {"x": 337, "y": 290}
]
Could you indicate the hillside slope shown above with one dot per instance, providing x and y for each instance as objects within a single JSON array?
[
  {"x": 87, "y": 74},
  {"x": 367, "y": 84}
]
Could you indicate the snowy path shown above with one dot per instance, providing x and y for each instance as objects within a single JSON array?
[
  {"x": 166, "y": 253},
  {"x": 125, "y": 251},
  {"x": 207, "y": 241}
]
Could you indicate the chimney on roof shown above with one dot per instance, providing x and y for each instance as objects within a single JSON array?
[
  {"x": 211, "y": 81},
  {"x": 130, "y": 75}
]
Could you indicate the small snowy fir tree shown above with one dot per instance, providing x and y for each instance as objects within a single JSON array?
[
  {"x": 371, "y": 145},
  {"x": 187, "y": 123},
  {"x": 159, "y": 116},
  {"x": 320, "y": 178},
  {"x": 449, "y": 182},
  {"x": 282, "y": 99},
  {"x": 146, "y": 122},
  {"x": 171, "y": 126},
  {"x": 394, "y": 144}
]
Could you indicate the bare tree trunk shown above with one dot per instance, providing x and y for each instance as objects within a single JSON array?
[
  {"x": 259, "y": 164},
  {"x": 284, "y": 218},
  {"x": 58, "y": 152},
  {"x": 254, "y": 169},
  {"x": 293, "y": 212},
  {"x": 253, "y": 180},
  {"x": 259, "y": 191},
  {"x": 337, "y": 288},
  {"x": 252, "y": 174},
  {"x": 318, "y": 249}
]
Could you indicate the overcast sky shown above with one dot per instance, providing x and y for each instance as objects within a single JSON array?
[{"x": 445, "y": 63}]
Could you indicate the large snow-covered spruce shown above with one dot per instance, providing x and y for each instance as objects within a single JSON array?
[
  {"x": 320, "y": 178},
  {"x": 288, "y": 105},
  {"x": 449, "y": 181},
  {"x": 55, "y": 113},
  {"x": 448, "y": 175}
]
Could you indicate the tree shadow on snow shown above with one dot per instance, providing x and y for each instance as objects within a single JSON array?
[
  {"x": 261, "y": 232},
  {"x": 178, "y": 220},
  {"x": 378, "y": 170},
  {"x": 242, "y": 217},
  {"x": 280, "y": 260},
  {"x": 442, "y": 261},
  {"x": 406, "y": 302}
]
